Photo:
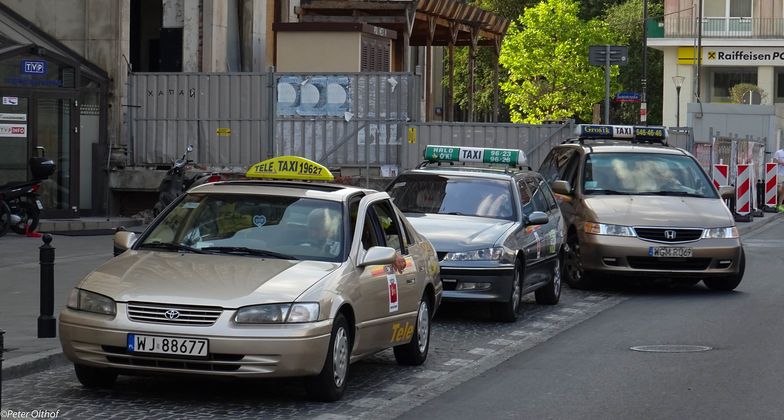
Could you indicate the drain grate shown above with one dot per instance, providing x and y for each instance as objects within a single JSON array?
[{"x": 671, "y": 348}]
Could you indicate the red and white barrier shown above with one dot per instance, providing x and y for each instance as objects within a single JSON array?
[
  {"x": 771, "y": 194},
  {"x": 743, "y": 190},
  {"x": 720, "y": 175}
]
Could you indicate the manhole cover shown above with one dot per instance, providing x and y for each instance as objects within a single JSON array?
[{"x": 671, "y": 348}]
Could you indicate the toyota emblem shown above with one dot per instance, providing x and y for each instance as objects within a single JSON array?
[
  {"x": 172, "y": 314},
  {"x": 669, "y": 234}
]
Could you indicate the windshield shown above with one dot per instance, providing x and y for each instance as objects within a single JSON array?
[
  {"x": 255, "y": 225},
  {"x": 645, "y": 174},
  {"x": 422, "y": 193}
]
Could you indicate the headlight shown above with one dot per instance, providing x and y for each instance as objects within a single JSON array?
[
  {"x": 84, "y": 300},
  {"x": 278, "y": 313},
  {"x": 725, "y": 232},
  {"x": 605, "y": 229},
  {"x": 485, "y": 254}
]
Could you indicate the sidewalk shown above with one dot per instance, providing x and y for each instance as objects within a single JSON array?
[{"x": 76, "y": 256}]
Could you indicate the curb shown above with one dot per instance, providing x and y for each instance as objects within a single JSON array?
[
  {"x": 18, "y": 367},
  {"x": 747, "y": 227}
]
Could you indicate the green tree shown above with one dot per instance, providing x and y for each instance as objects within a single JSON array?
[
  {"x": 546, "y": 55},
  {"x": 484, "y": 64},
  {"x": 625, "y": 20}
]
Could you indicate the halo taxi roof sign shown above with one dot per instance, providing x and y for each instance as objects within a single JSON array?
[
  {"x": 290, "y": 167},
  {"x": 512, "y": 157}
]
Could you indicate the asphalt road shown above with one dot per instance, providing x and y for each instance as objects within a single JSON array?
[
  {"x": 589, "y": 372},
  {"x": 571, "y": 360}
]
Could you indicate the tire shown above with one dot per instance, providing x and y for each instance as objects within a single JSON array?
[
  {"x": 330, "y": 383},
  {"x": 551, "y": 293},
  {"x": 93, "y": 377},
  {"x": 728, "y": 283},
  {"x": 5, "y": 218},
  {"x": 574, "y": 272},
  {"x": 507, "y": 311},
  {"x": 30, "y": 215},
  {"x": 414, "y": 353}
]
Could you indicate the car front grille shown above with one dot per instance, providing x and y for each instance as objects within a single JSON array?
[
  {"x": 173, "y": 314},
  {"x": 669, "y": 264},
  {"x": 669, "y": 235}
]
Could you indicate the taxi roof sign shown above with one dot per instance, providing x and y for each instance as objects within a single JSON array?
[
  {"x": 630, "y": 132},
  {"x": 511, "y": 157},
  {"x": 290, "y": 167}
]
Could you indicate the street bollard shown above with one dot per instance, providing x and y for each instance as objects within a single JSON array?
[
  {"x": 2, "y": 350},
  {"x": 47, "y": 327}
]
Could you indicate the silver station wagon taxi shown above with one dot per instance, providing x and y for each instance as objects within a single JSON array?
[{"x": 258, "y": 279}]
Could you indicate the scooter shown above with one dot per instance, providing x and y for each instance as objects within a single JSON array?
[
  {"x": 175, "y": 182},
  {"x": 20, "y": 206}
]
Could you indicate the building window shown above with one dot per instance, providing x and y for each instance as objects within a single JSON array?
[
  {"x": 779, "y": 97},
  {"x": 375, "y": 54},
  {"x": 723, "y": 80}
]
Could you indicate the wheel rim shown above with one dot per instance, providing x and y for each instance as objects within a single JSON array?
[
  {"x": 423, "y": 326},
  {"x": 574, "y": 265},
  {"x": 557, "y": 277},
  {"x": 516, "y": 291},
  {"x": 340, "y": 357}
]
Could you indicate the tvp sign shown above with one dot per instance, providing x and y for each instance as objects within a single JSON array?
[{"x": 33, "y": 67}]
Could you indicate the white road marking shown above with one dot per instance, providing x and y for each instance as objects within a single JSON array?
[
  {"x": 402, "y": 388},
  {"x": 430, "y": 374},
  {"x": 555, "y": 317},
  {"x": 520, "y": 333},
  {"x": 457, "y": 362},
  {"x": 571, "y": 310},
  {"x": 368, "y": 402},
  {"x": 502, "y": 342},
  {"x": 480, "y": 351}
]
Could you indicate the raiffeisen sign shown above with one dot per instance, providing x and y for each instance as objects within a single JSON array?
[{"x": 735, "y": 56}]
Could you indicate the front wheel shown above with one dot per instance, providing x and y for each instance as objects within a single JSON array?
[
  {"x": 414, "y": 353},
  {"x": 5, "y": 218},
  {"x": 576, "y": 276},
  {"x": 507, "y": 311},
  {"x": 728, "y": 283},
  {"x": 29, "y": 214},
  {"x": 93, "y": 377},
  {"x": 330, "y": 383}
]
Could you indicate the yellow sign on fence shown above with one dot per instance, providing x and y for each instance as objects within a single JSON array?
[{"x": 223, "y": 132}]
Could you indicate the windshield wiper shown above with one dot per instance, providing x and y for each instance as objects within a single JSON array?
[
  {"x": 241, "y": 250},
  {"x": 171, "y": 246},
  {"x": 677, "y": 193},
  {"x": 606, "y": 192}
]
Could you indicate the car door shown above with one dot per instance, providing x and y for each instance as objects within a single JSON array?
[
  {"x": 547, "y": 235},
  {"x": 528, "y": 236},
  {"x": 376, "y": 297}
]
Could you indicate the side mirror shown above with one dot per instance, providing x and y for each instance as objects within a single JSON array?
[
  {"x": 561, "y": 187},
  {"x": 190, "y": 148},
  {"x": 378, "y": 255},
  {"x": 537, "y": 218},
  {"x": 726, "y": 191},
  {"x": 122, "y": 241}
]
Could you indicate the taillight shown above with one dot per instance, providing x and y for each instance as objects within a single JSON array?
[
  {"x": 214, "y": 178},
  {"x": 35, "y": 187}
]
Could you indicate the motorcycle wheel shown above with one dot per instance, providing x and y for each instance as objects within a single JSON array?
[
  {"x": 5, "y": 218},
  {"x": 29, "y": 213}
]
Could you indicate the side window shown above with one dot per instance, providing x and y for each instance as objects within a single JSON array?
[
  {"x": 548, "y": 194},
  {"x": 526, "y": 203},
  {"x": 369, "y": 233},
  {"x": 549, "y": 168},
  {"x": 389, "y": 225},
  {"x": 568, "y": 171},
  {"x": 353, "y": 212},
  {"x": 537, "y": 197}
]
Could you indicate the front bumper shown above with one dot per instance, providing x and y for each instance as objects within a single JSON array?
[
  {"x": 498, "y": 278},
  {"x": 257, "y": 351},
  {"x": 619, "y": 255}
]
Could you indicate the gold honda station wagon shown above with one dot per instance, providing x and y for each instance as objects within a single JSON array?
[
  {"x": 636, "y": 207},
  {"x": 258, "y": 279}
]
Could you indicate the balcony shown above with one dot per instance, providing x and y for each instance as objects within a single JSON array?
[{"x": 717, "y": 27}]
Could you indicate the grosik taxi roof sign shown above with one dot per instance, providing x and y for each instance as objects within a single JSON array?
[
  {"x": 290, "y": 167},
  {"x": 512, "y": 157},
  {"x": 645, "y": 133}
]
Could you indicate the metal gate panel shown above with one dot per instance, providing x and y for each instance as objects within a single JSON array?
[{"x": 224, "y": 115}]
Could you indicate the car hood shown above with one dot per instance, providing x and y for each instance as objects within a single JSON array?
[
  {"x": 658, "y": 211},
  {"x": 197, "y": 279},
  {"x": 458, "y": 233}
]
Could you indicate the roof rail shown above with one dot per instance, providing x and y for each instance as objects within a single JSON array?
[{"x": 305, "y": 185}]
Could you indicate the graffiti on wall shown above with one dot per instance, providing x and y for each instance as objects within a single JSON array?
[{"x": 313, "y": 96}]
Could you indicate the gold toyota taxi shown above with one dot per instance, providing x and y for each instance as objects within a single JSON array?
[
  {"x": 638, "y": 208},
  {"x": 258, "y": 279}
]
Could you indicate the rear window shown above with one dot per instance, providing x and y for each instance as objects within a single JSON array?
[
  {"x": 645, "y": 174},
  {"x": 424, "y": 193}
]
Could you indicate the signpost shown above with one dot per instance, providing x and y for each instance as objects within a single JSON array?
[{"x": 607, "y": 55}]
